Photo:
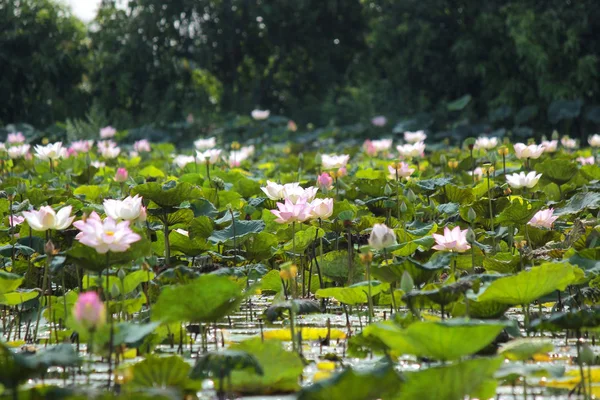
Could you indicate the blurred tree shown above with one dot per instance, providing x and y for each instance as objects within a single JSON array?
[{"x": 42, "y": 62}]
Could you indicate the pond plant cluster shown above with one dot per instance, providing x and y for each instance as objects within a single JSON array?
[{"x": 394, "y": 269}]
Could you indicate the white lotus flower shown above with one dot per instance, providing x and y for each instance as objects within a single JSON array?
[
  {"x": 129, "y": 209},
  {"x": 183, "y": 160},
  {"x": 208, "y": 157},
  {"x": 260, "y": 115},
  {"x": 334, "y": 161},
  {"x": 52, "y": 151},
  {"x": 18, "y": 151},
  {"x": 46, "y": 218},
  {"x": 485, "y": 143},
  {"x": 414, "y": 137},
  {"x": 568, "y": 143},
  {"x": 411, "y": 150},
  {"x": 523, "y": 180},
  {"x": 594, "y": 140},
  {"x": 549, "y": 145},
  {"x": 532, "y": 151},
  {"x": 381, "y": 237},
  {"x": 205, "y": 144}
]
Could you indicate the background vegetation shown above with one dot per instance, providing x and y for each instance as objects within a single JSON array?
[{"x": 452, "y": 66}]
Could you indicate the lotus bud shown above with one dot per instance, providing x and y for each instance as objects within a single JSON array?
[
  {"x": 586, "y": 355},
  {"x": 114, "y": 291},
  {"x": 471, "y": 215},
  {"x": 89, "y": 311},
  {"x": 411, "y": 196},
  {"x": 121, "y": 274},
  {"x": 387, "y": 190},
  {"x": 382, "y": 237},
  {"x": 471, "y": 236},
  {"x": 235, "y": 145},
  {"x": 403, "y": 207},
  {"x": 406, "y": 283},
  {"x": 555, "y": 135},
  {"x": 121, "y": 175},
  {"x": 453, "y": 164},
  {"x": 49, "y": 248}
]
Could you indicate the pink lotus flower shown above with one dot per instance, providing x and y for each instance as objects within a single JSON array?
[
  {"x": 46, "y": 218},
  {"x": 532, "y": 151},
  {"x": 411, "y": 150},
  {"x": 543, "y": 219},
  {"x": 549, "y": 145},
  {"x": 325, "y": 181},
  {"x": 107, "y": 235},
  {"x": 295, "y": 193},
  {"x": 321, "y": 208},
  {"x": 587, "y": 160},
  {"x": 400, "y": 170},
  {"x": 107, "y": 132},
  {"x": 342, "y": 172},
  {"x": 142, "y": 146},
  {"x": 379, "y": 121},
  {"x": 89, "y": 311},
  {"x": 478, "y": 172},
  {"x": 15, "y": 138},
  {"x": 81, "y": 146},
  {"x": 15, "y": 220},
  {"x": 369, "y": 148},
  {"x": 291, "y": 126},
  {"x": 121, "y": 175},
  {"x": 290, "y": 212},
  {"x": 454, "y": 240},
  {"x": 382, "y": 237}
]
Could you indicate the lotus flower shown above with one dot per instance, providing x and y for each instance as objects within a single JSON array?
[
  {"x": 415, "y": 137},
  {"x": 142, "y": 146},
  {"x": 594, "y": 140},
  {"x": 15, "y": 220},
  {"x": 381, "y": 237},
  {"x": 205, "y": 144},
  {"x": 321, "y": 208},
  {"x": 411, "y": 150},
  {"x": 260, "y": 115},
  {"x": 2, "y": 147},
  {"x": 532, "y": 151},
  {"x": 289, "y": 212},
  {"x": 400, "y": 170},
  {"x": 549, "y": 145},
  {"x": 325, "y": 181},
  {"x": 107, "y": 132},
  {"x": 523, "y": 180},
  {"x": 294, "y": 192},
  {"x": 121, "y": 175},
  {"x": 273, "y": 190},
  {"x": 249, "y": 150},
  {"x": 183, "y": 160},
  {"x": 568, "y": 143},
  {"x": 46, "y": 218},
  {"x": 236, "y": 158},
  {"x": 379, "y": 121},
  {"x": 129, "y": 209},
  {"x": 98, "y": 164},
  {"x": 291, "y": 126},
  {"x": 454, "y": 240},
  {"x": 81, "y": 146},
  {"x": 208, "y": 157},
  {"x": 369, "y": 148},
  {"x": 543, "y": 219},
  {"x": 108, "y": 149},
  {"x": 19, "y": 151},
  {"x": 587, "y": 160},
  {"x": 485, "y": 143},
  {"x": 334, "y": 161},
  {"x": 89, "y": 311},
  {"x": 478, "y": 172},
  {"x": 107, "y": 235},
  {"x": 15, "y": 138},
  {"x": 52, "y": 151},
  {"x": 382, "y": 145}
]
